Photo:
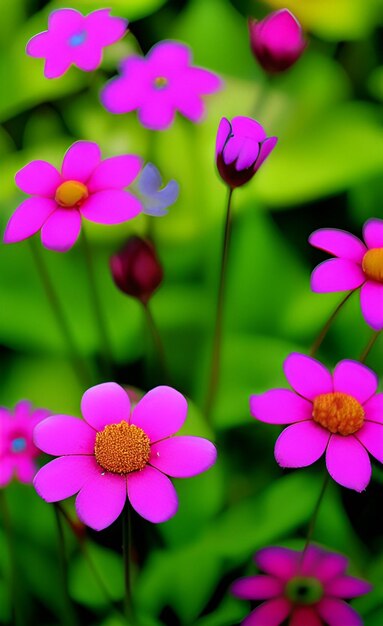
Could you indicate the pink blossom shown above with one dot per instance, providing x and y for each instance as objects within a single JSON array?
[
  {"x": 75, "y": 39},
  {"x": 356, "y": 264},
  {"x": 17, "y": 450},
  {"x": 307, "y": 589},
  {"x": 86, "y": 187},
  {"x": 119, "y": 453},
  {"x": 242, "y": 146},
  {"x": 277, "y": 41},
  {"x": 339, "y": 414},
  {"x": 160, "y": 84}
]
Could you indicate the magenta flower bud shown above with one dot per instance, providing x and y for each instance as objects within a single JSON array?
[
  {"x": 136, "y": 269},
  {"x": 277, "y": 41},
  {"x": 241, "y": 147}
]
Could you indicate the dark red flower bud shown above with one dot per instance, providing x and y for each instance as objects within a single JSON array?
[{"x": 136, "y": 269}]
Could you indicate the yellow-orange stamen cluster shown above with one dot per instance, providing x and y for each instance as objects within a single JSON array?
[
  {"x": 372, "y": 264},
  {"x": 338, "y": 412},
  {"x": 122, "y": 448},
  {"x": 160, "y": 82},
  {"x": 71, "y": 194}
]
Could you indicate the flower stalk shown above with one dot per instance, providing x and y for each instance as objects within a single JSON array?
[{"x": 324, "y": 330}]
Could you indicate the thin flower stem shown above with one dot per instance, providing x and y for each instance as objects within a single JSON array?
[
  {"x": 127, "y": 558},
  {"x": 314, "y": 516},
  {"x": 157, "y": 341},
  {"x": 96, "y": 304},
  {"x": 17, "y": 619},
  {"x": 216, "y": 353},
  {"x": 369, "y": 346},
  {"x": 81, "y": 370},
  {"x": 322, "y": 334},
  {"x": 68, "y": 617}
]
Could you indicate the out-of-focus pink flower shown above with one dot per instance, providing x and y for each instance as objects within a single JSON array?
[
  {"x": 357, "y": 264},
  {"x": 86, "y": 187},
  {"x": 17, "y": 450},
  {"x": 75, "y": 39},
  {"x": 118, "y": 453},
  {"x": 277, "y": 41},
  {"x": 241, "y": 147},
  {"x": 301, "y": 589},
  {"x": 159, "y": 85},
  {"x": 136, "y": 269},
  {"x": 340, "y": 415}
]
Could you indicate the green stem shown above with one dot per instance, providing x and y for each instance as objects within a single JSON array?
[
  {"x": 77, "y": 360},
  {"x": 17, "y": 619},
  {"x": 68, "y": 616},
  {"x": 157, "y": 341},
  {"x": 322, "y": 334},
  {"x": 96, "y": 305},
  {"x": 217, "y": 339},
  {"x": 127, "y": 558},
  {"x": 314, "y": 516},
  {"x": 369, "y": 346}
]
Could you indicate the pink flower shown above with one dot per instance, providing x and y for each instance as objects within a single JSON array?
[
  {"x": 307, "y": 589},
  {"x": 136, "y": 269},
  {"x": 241, "y": 147},
  {"x": 159, "y": 85},
  {"x": 17, "y": 450},
  {"x": 118, "y": 453},
  {"x": 277, "y": 41},
  {"x": 86, "y": 187},
  {"x": 73, "y": 38},
  {"x": 340, "y": 414},
  {"x": 357, "y": 264}
]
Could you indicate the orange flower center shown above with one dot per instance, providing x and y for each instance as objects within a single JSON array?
[
  {"x": 122, "y": 448},
  {"x": 71, "y": 194},
  {"x": 372, "y": 264},
  {"x": 160, "y": 82},
  {"x": 338, "y": 412}
]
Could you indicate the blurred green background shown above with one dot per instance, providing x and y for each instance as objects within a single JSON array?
[{"x": 326, "y": 171}]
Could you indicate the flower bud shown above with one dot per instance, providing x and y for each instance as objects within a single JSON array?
[
  {"x": 136, "y": 269},
  {"x": 277, "y": 41},
  {"x": 241, "y": 148}
]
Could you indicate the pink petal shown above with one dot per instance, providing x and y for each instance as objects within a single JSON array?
[
  {"x": 128, "y": 92},
  {"x": 305, "y": 616},
  {"x": 65, "y": 21},
  {"x": 271, "y": 613},
  {"x": 88, "y": 56},
  {"x": 266, "y": 148},
  {"x": 61, "y": 230},
  {"x": 281, "y": 31},
  {"x": 331, "y": 566},
  {"x": 338, "y": 613},
  {"x": 280, "y": 406},
  {"x": 152, "y": 495},
  {"x": 247, "y": 127},
  {"x": 348, "y": 462},
  {"x": 63, "y": 477},
  {"x": 371, "y": 300},
  {"x": 374, "y": 408},
  {"x": 257, "y": 588},
  {"x": 156, "y": 113},
  {"x": 339, "y": 243},
  {"x": 104, "y": 28},
  {"x": 38, "y": 178},
  {"x": 80, "y": 161},
  {"x": 183, "y": 457},
  {"x": 169, "y": 56},
  {"x": 105, "y": 404},
  {"x": 241, "y": 150},
  {"x": 191, "y": 106},
  {"x": 56, "y": 66},
  {"x": 371, "y": 436},
  {"x": 373, "y": 233},
  {"x": 63, "y": 434},
  {"x": 347, "y": 587},
  {"x": 279, "y": 562},
  {"x": 201, "y": 81},
  {"x": 111, "y": 206},
  {"x": 28, "y": 218},
  {"x": 355, "y": 379},
  {"x": 312, "y": 558},
  {"x": 336, "y": 275},
  {"x": 6, "y": 470},
  {"x": 115, "y": 173},
  {"x": 160, "y": 413},
  {"x": 101, "y": 499},
  {"x": 224, "y": 130},
  {"x": 307, "y": 376},
  {"x": 301, "y": 444},
  {"x": 25, "y": 469},
  {"x": 39, "y": 45}
]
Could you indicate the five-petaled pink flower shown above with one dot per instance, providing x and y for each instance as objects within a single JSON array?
[
  {"x": 357, "y": 264},
  {"x": 340, "y": 414},
  {"x": 301, "y": 589},
  {"x": 17, "y": 450},
  {"x": 277, "y": 41},
  {"x": 75, "y": 39},
  {"x": 159, "y": 85},
  {"x": 118, "y": 453},
  {"x": 86, "y": 187}
]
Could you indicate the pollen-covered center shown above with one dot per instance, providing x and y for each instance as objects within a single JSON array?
[
  {"x": 372, "y": 264},
  {"x": 71, "y": 194},
  {"x": 122, "y": 448},
  {"x": 160, "y": 82},
  {"x": 338, "y": 412},
  {"x": 304, "y": 590}
]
